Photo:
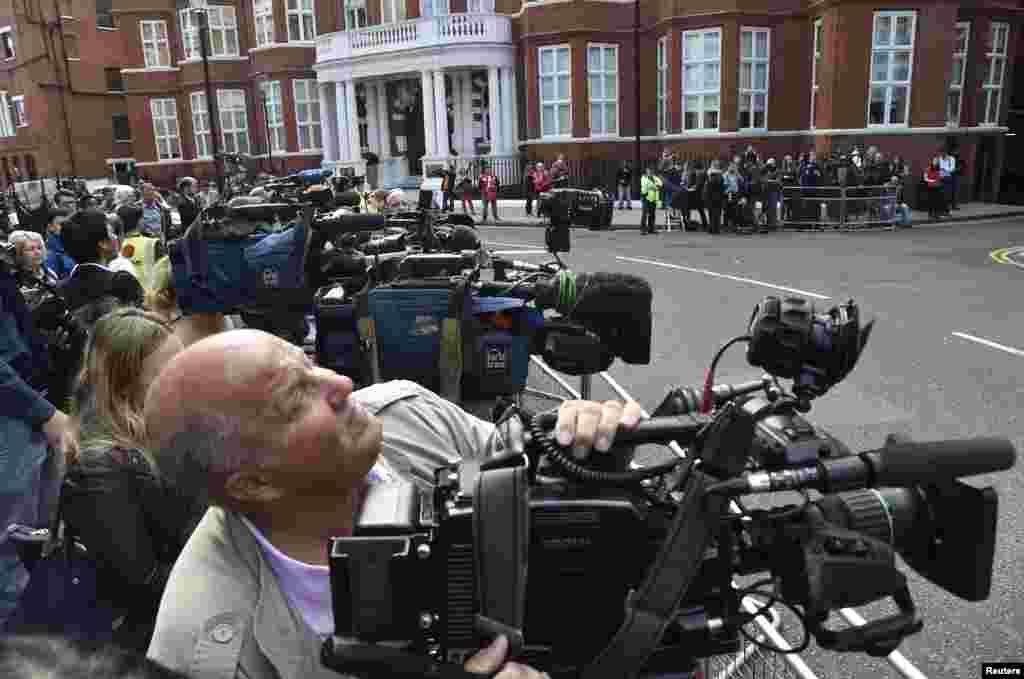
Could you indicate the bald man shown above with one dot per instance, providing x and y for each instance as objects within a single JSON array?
[{"x": 282, "y": 450}]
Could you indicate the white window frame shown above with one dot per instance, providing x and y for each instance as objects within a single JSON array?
[
  {"x": 956, "y": 88},
  {"x": 816, "y": 57},
  {"x": 392, "y": 11},
  {"x": 704, "y": 92},
  {"x": 238, "y": 135},
  {"x": 355, "y": 14},
  {"x": 263, "y": 21},
  {"x": 175, "y": 138},
  {"x": 310, "y": 121},
  {"x": 9, "y": 30},
  {"x": 557, "y": 102},
  {"x": 604, "y": 101},
  {"x": 20, "y": 114},
  {"x": 201, "y": 125},
  {"x": 162, "y": 46},
  {"x": 6, "y": 124},
  {"x": 994, "y": 91},
  {"x": 298, "y": 9},
  {"x": 662, "y": 62},
  {"x": 890, "y": 50},
  {"x": 219, "y": 26},
  {"x": 274, "y": 112},
  {"x": 432, "y": 8},
  {"x": 753, "y": 61}
]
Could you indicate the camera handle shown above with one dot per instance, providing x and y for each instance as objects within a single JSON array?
[{"x": 373, "y": 661}]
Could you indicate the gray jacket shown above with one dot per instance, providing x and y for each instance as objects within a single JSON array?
[{"x": 223, "y": 614}]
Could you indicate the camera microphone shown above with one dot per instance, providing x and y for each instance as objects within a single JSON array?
[{"x": 903, "y": 463}]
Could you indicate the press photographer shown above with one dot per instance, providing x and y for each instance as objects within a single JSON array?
[
  {"x": 286, "y": 451},
  {"x": 34, "y": 435}
]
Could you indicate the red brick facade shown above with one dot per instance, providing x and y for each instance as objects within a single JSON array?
[{"x": 37, "y": 73}]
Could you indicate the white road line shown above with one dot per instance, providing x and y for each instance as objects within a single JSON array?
[
  {"x": 723, "y": 275},
  {"x": 501, "y": 244},
  {"x": 989, "y": 343},
  {"x": 521, "y": 252}
]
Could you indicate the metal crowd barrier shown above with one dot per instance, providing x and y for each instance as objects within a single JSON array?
[{"x": 840, "y": 207}]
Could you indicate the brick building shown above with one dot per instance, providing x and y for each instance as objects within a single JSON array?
[{"x": 91, "y": 86}]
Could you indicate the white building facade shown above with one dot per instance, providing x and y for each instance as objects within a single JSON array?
[{"x": 419, "y": 94}]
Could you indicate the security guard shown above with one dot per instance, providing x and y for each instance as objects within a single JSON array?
[
  {"x": 650, "y": 193},
  {"x": 143, "y": 251}
]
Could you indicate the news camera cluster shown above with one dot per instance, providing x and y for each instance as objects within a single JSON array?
[{"x": 598, "y": 569}]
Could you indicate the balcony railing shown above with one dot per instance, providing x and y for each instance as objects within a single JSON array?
[{"x": 451, "y": 29}]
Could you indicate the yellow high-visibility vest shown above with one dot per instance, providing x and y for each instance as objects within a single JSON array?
[{"x": 141, "y": 250}]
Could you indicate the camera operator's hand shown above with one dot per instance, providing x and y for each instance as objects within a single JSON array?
[
  {"x": 60, "y": 434},
  {"x": 491, "y": 658},
  {"x": 589, "y": 424}
]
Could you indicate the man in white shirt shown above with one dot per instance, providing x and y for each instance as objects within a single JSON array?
[{"x": 947, "y": 166}]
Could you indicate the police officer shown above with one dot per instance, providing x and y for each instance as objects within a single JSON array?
[{"x": 650, "y": 193}]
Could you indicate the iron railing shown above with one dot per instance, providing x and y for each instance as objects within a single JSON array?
[{"x": 840, "y": 207}]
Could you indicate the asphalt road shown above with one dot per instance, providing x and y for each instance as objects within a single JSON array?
[{"x": 915, "y": 377}]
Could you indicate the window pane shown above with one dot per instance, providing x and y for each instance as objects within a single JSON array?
[
  {"x": 693, "y": 79},
  {"x": 759, "y": 119},
  {"x": 594, "y": 59},
  {"x": 744, "y": 102},
  {"x": 761, "y": 76},
  {"x": 876, "y": 111},
  {"x": 904, "y": 27},
  {"x": 596, "y": 89},
  {"x": 883, "y": 30},
  {"x": 611, "y": 87},
  {"x": 711, "y": 45},
  {"x": 610, "y": 114},
  {"x": 710, "y": 101},
  {"x": 547, "y": 61},
  {"x": 710, "y": 120},
  {"x": 746, "y": 76},
  {"x": 760, "y": 102},
  {"x": 961, "y": 40},
  {"x": 953, "y": 108},
  {"x": 548, "y": 120},
  {"x": 293, "y": 27},
  {"x": 711, "y": 76},
  {"x": 217, "y": 42},
  {"x": 692, "y": 103},
  {"x": 547, "y": 89},
  {"x": 958, "y": 72},
  {"x": 147, "y": 31},
  {"x": 596, "y": 119},
  {"x": 239, "y": 120},
  {"x": 997, "y": 70},
  {"x": 747, "y": 44},
  {"x": 232, "y": 42},
  {"x": 563, "y": 87},
  {"x": 611, "y": 59},
  {"x": 898, "y": 106},
  {"x": 690, "y": 120},
  {"x": 692, "y": 47},
  {"x": 880, "y": 66},
  {"x": 563, "y": 119},
  {"x": 563, "y": 59},
  {"x": 901, "y": 67},
  {"x": 762, "y": 45},
  {"x": 744, "y": 121},
  {"x": 307, "y": 24}
]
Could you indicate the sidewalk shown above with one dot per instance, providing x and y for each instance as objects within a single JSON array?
[{"x": 513, "y": 213}]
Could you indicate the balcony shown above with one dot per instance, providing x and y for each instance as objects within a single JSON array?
[{"x": 460, "y": 30}]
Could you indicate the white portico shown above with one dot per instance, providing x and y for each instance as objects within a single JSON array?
[{"x": 421, "y": 93}]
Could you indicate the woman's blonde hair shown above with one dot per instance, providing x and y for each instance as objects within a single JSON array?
[
  {"x": 160, "y": 296},
  {"x": 19, "y": 239},
  {"x": 107, "y": 397}
]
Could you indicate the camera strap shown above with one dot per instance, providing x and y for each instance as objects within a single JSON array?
[{"x": 652, "y": 608}]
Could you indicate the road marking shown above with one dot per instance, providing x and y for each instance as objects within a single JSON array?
[
  {"x": 520, "y": 252},
  {"x": 1007, "y": 256},
  {"x": 512, "y": 245},
  {"x": 989, "y": 343},
  {"x": 715, "y": 274}
]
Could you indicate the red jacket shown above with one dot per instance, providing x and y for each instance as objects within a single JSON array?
[
  {"x": 541, "y": 183},
  {"x": 933, "y": 177},
  {"x": 488, "y": 186}
]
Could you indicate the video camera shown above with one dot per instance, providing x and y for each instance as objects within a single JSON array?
[{"x": 596, "y": 569}]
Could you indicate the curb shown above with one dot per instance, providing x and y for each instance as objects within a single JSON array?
[{"x": 913, "y": 223}]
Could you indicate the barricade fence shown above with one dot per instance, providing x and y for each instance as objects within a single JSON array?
[{"x": 840, "y": 207}]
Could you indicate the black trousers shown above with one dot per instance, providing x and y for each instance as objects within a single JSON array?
[
  {"x": 715, "y": 218},
  {"x": 649, "y": 217}
]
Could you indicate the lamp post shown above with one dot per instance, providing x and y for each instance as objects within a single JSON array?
[
  {"x": 198, "y": 10},
  {"x": 636, "y": 84},
  {"x": 266, "y": 125}
]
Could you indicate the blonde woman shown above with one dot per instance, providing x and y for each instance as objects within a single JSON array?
[
  {"x": 112, "y": 499},
  {"x": 162, "y": 301},
  {"x": 31, "y": 252}
]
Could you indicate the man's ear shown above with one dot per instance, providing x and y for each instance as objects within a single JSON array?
[{"x": 252, "y": 487}]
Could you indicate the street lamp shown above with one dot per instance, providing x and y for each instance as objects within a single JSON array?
[
  {"x": 198, "y": 9},
  {"x": 266, "y": 125}
]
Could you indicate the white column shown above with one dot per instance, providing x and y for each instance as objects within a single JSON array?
[
  {"x": 457, "y": 123},
  {"x": 494, "y": 108},
  {"x": 384, "y": 119},
  {"x": 468, "y": 148},
  {"x": 372, "y": 118},
  {"x": 506, "y": 109},
  {"x": 344, "y": 151},
  {"x": 513, "y": 127},
  {"x": 441, "y": 114},
  {"x": 327, "y": 122},
  {"x": 355, "y": 153},
  {"x": 429, "y": 125}
]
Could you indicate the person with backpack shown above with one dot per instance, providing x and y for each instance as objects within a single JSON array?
[{"x": 714, "y": 196}]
